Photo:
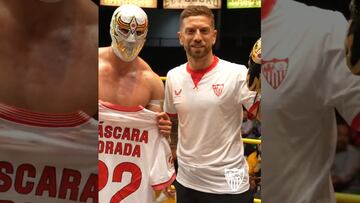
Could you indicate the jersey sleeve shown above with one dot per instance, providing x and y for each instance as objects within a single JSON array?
[
  {"x": 245, "y": 96},
  {"x": 162, "y": 172},
  {"x": 342, "y": 88},
  {"x": 169, "y": 106}
]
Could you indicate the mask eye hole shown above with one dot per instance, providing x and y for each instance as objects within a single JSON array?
[
  {"x": 123, "y": 31},
  {"x": 139, "y": 32}
]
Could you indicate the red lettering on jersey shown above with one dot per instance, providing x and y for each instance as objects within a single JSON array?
[
  {"x": 126, "y": 134},
  {"x": 136, "y": 151},
  {"x": 47, "y": 182},
  {"x": 70, "y": 180},
  {"x": 109, "y": 147},
  {"x": 118, "y": 148},
  {"x": 117, "y": 134},
  {"x": 101, "y": 146},
  {"x": 127, "y": 149},
  {"x": 69, "y": 183},
  {"x": 135, "y": 135},
  {"x": 108, "y": 131},
  {"x": 90, "y": 189},
  {"x": 31, "y": 172},
  {"x": 5, "y": 179},
  {"x": 132, "y": 134},
  {"x": 144, "y": 137}
]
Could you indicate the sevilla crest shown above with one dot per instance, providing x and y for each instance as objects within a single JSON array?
[
  {"x": 274, "y": 71},
  {"x": 234, "y": 177},
  {"x": 218, "y": 88}
]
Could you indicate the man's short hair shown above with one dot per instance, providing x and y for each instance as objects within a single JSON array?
[{"x": 193, "y": 10}]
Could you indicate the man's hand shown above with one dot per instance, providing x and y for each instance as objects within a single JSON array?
[{"x": 164, "y": 124}]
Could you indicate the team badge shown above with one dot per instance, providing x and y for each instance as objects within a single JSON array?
[
  {"x": 234, "y": 177},
  {"x": 218, "y": 88},
  {"x": 274, "y": 71}
]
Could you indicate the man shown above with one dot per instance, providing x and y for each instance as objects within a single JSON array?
[
  {"x": 126, "y": 79},
  {"x": 304, "y": 79},
  {"x": 129, "y": 139},
  {"x": 206, "y": 94},
  {"x": 48, "y": 94}
]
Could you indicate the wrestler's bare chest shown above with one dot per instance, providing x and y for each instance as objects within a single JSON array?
[{"x": 53, "y": 72}]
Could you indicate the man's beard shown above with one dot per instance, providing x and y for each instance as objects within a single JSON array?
[{"x": 197, "y": 54}]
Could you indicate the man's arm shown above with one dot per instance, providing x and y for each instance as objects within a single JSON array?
[{"x": 156, "y": 103}]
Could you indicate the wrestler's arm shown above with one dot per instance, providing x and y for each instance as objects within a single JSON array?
[
  {"x": 156, "y": 103},
  {"x": 157, "y": 93}
]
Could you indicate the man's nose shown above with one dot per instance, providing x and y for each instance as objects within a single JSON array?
[{"x": 197, "y": 36}]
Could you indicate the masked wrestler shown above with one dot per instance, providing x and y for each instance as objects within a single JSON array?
[
  {"x": 127, "y": 84},
  {"x": 124, "y": 78}
]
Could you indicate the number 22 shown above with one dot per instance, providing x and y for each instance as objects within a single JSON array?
[{"x": 134, "y": 184}]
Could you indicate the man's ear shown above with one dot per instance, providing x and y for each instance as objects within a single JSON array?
[
  {"x": 180, "y": 38},
  {"x": 214, "y": 37}
]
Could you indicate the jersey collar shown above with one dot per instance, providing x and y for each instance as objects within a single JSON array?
[
  {"x": 26, "y": 117},
  {"x": 266, "y": 8},
  {"x": 196, "y": 75},
  {"x": 121, "y": 108}
]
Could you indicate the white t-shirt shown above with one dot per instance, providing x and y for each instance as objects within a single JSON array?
[
  {"x": 133, "y": 158},
  {"x": 47, "y": 157},
  {"x": 304, "y": 77},
  {"x": 209, "y": 108}
]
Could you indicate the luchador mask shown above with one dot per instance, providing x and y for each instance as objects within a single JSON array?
[{"x": 128, "y": 30}]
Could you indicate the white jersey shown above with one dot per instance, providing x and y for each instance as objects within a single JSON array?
[
  {"x": 134, "y": 160},
  {"x": 47, "y": 157},
  {"x": 209, "y": 108},
  {"x": 304, "y": 77}
]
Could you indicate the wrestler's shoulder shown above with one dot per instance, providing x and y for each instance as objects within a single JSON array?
[{"x": 145, "y": 67}]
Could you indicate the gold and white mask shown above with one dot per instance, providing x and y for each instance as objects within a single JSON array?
[{"x": 128, "y": 30}]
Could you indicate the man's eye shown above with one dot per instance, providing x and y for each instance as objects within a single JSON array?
[
  {"x": 190, "y": 31},
  {"x": 204, "y": 31}
]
